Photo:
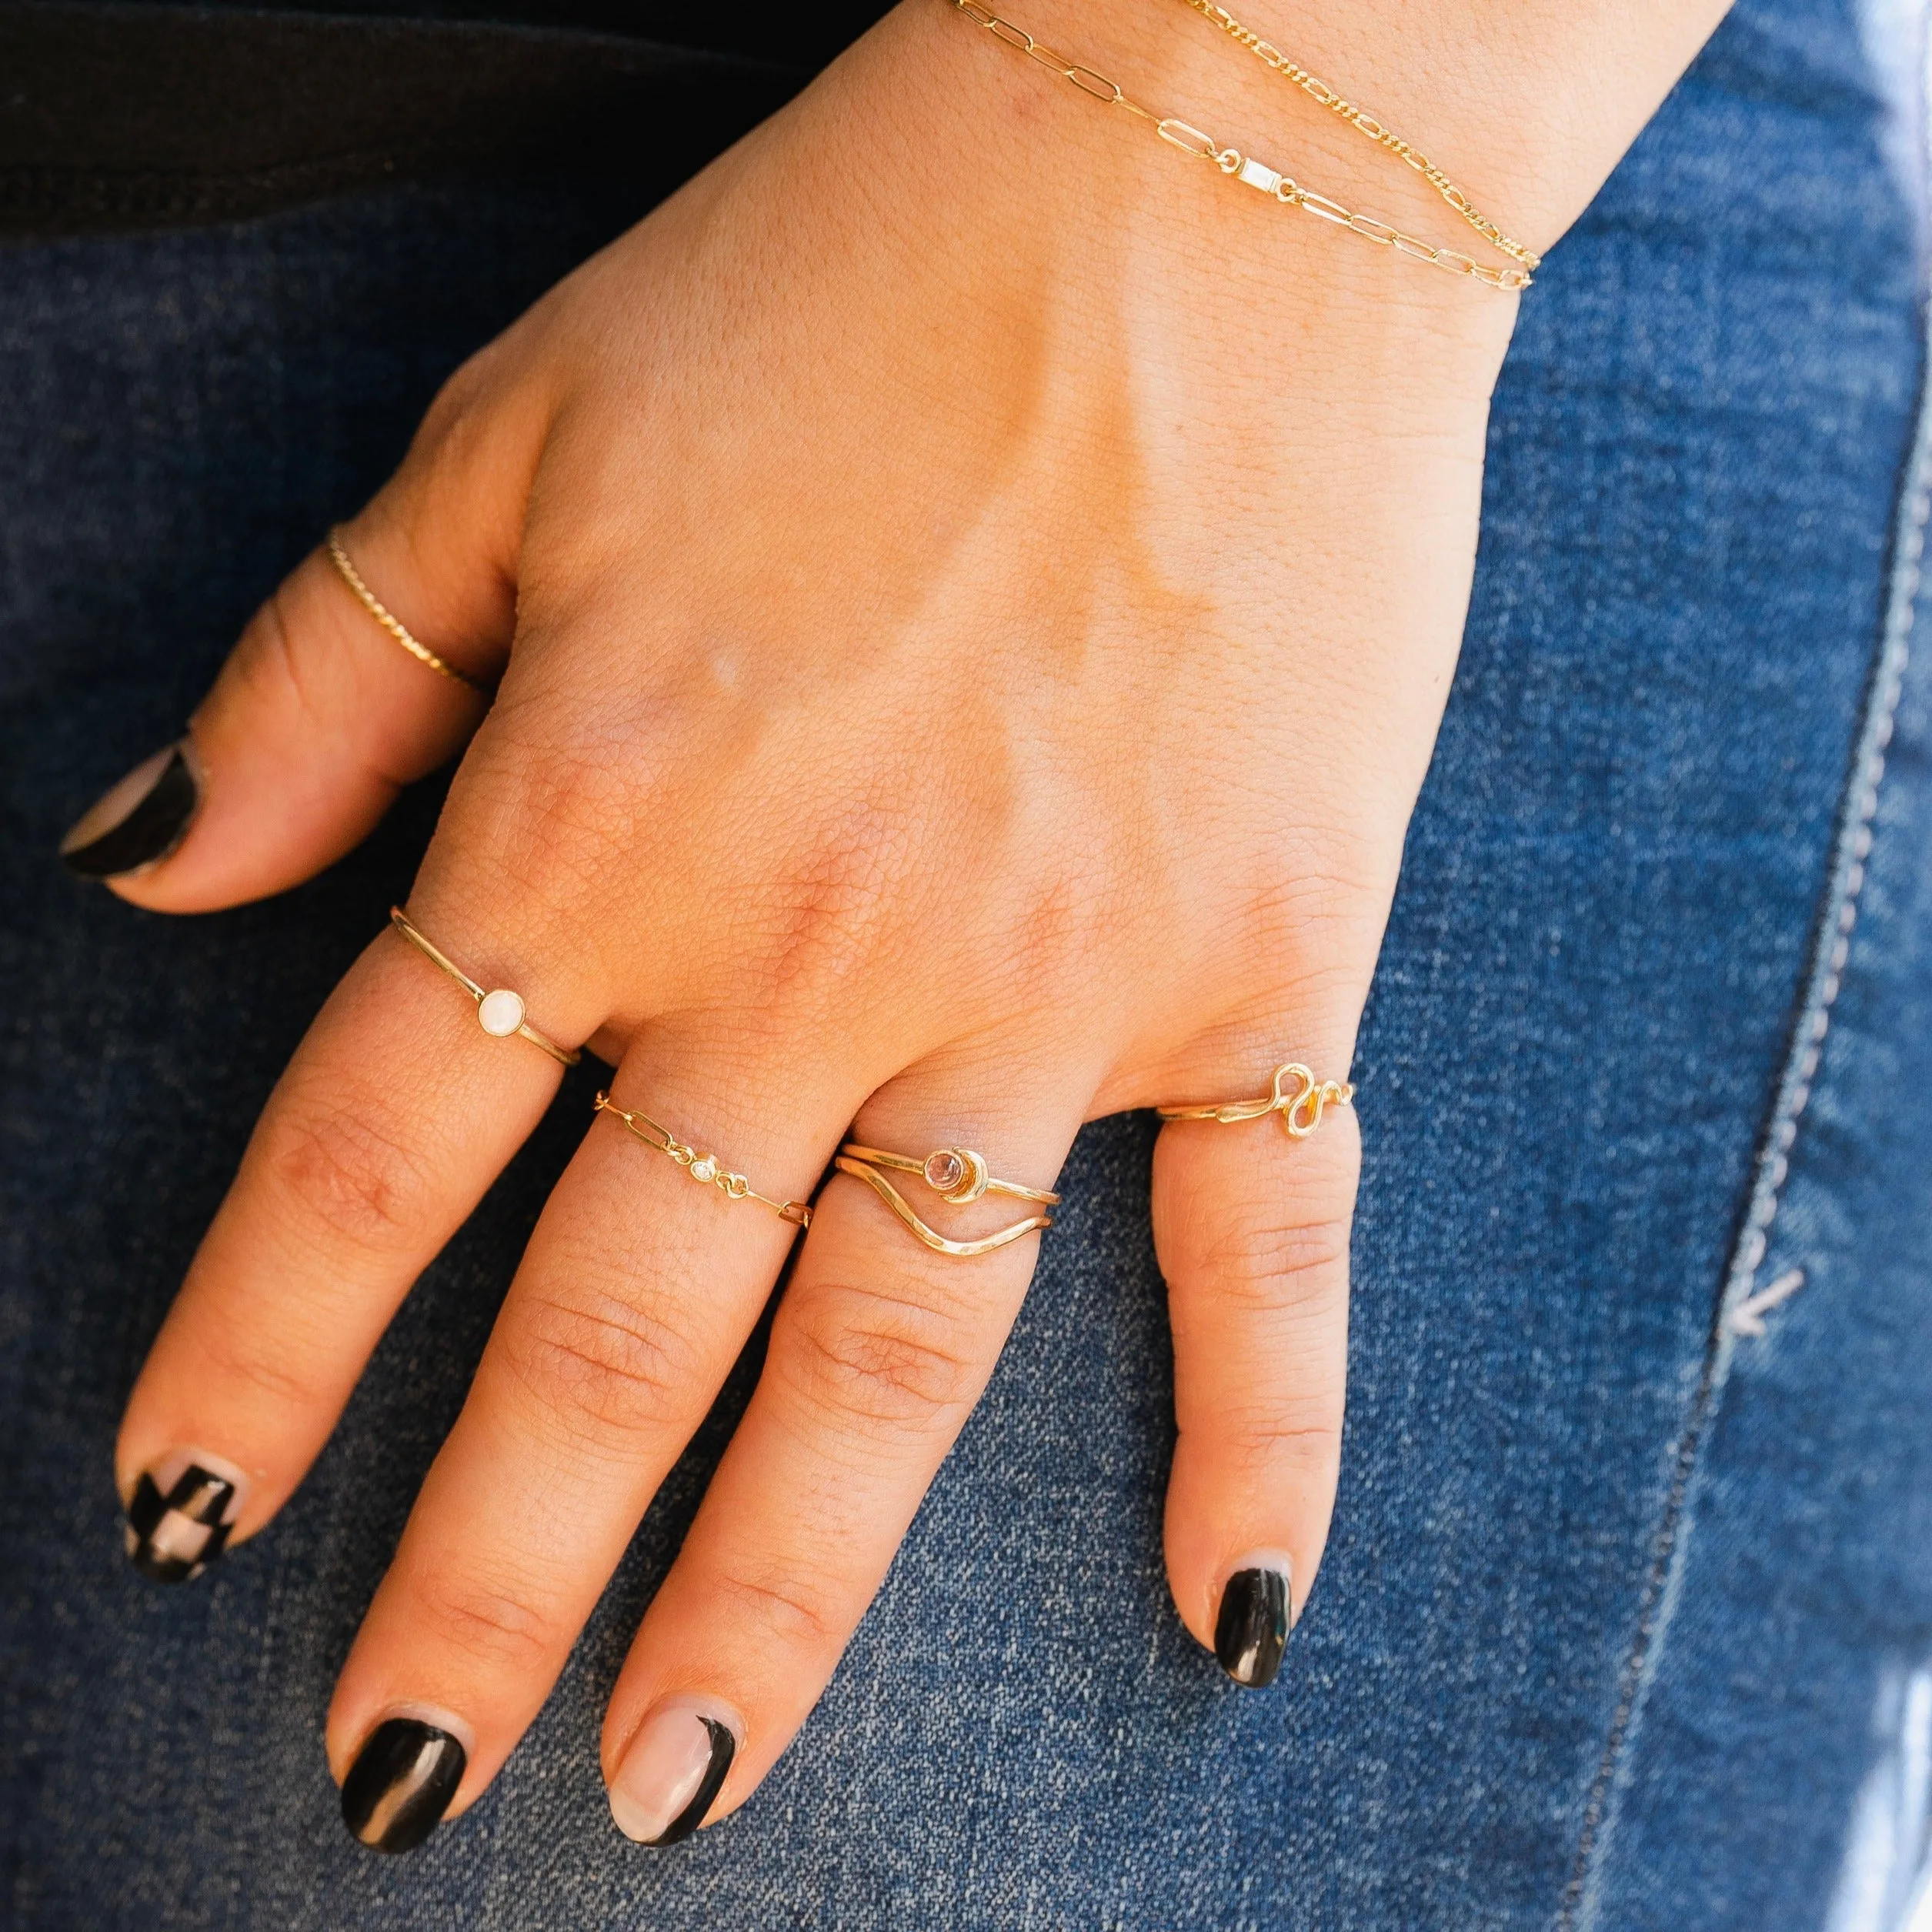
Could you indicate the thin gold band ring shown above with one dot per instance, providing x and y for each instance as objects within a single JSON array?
[
  {"x": 499, "y": 1012},
  {"x": 955, "y": 1174},
  {"x": 1294, "y": 1093}
]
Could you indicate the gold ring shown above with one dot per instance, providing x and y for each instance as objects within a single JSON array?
[
  {"x": 499, "y": 1012},
  {"x": 955, "y": 1174},
  {"x": 390, "y": 621},
  {"x": 701, "y": 1167},
  {"x": 1300, "y": 1107}
]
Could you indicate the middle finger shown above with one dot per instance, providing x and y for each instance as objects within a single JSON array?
[{"x": 642, "y": 1280}]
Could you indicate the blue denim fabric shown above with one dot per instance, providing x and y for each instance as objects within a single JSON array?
[{"x": 1628, "y": 1609}]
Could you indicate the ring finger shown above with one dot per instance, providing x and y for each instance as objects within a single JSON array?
[{"x": 878, "y": 1351}]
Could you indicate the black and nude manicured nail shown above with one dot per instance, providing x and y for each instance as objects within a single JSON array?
[
  {"x": 402, "y": 1782},
  {"x": 180, "y": 1515},
  {"x": 138, "y": 821},
  {"x": 672, "y": 1770},
  {"x": 1251, "y": 1630}
]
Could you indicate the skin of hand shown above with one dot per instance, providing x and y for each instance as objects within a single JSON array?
[{"x": 973, "y": 592}]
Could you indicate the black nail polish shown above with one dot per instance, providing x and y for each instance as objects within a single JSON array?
[
  {"x": 400, "y": 1783},
  {"x": 1252, "y": 1630},
  {"x": 139, "y": 822},
  {"x": 724, "y": 1748},
  {"x": 173, "y": 1536}
]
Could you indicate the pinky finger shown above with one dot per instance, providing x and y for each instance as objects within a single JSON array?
[{"x": 1252, "y": 1227}]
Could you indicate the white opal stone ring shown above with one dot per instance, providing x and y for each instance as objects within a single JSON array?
[{"x": 499, "y": 1012}]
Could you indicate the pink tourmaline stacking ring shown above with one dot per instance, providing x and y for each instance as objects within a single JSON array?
[{"x": 955, "y": 1174}]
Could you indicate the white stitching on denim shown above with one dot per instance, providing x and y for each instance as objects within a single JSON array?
[
  {"x": 1854, "y": 845},
  {"x": 1830, "y": 953},
  {"x": 1747, "y": 1317}
]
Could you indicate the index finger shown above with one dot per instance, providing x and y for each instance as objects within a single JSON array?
[{"x": 396, "y": 1114}]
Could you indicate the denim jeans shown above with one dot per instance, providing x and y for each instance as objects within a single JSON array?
[{"x": 1626, "y": 1618}]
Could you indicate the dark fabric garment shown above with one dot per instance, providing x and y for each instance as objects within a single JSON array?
[
  {"x": 130, "y": 116},
  {"x": 770, "y": 28},
  {"x": 1626, "y": 1615}
]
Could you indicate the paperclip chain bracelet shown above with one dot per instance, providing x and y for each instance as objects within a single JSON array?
[
  {"x": 1364, "y": 122},
  {"x": 1191, "y": 140}
]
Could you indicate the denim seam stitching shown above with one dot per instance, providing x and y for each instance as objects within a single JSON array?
[{"x": 1829, "y": 950}]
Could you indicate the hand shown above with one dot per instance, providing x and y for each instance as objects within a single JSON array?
[{"x": 973, "y": 594}]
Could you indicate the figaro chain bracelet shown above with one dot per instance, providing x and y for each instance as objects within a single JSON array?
[
  {"x": 1191, "y": 140},
  {"x": 1366, "y": 123}
]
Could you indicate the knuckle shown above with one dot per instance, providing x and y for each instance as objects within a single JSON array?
[
  {"x": 292, "y": 658},
  {"x": 558, "y": 813},
  {"x": 826, "y": 914},
  {"x": 345, "y": 1174},
  {"x": 1308, "y": 880},
  {"x": 457, "y": 403},
  {"x": 238, "y": 1357},
  {"x": 1050, "y": 944},
  {"x": 273, "y": 637},
  {"x": 1274, "y": 1264},
  {"x": 795, "y": 1610},
  {"x": 602, "y": 1364},
  {"x": 494, "y": 1626},
  {"x": 1301, "y": 1432},
  {"x": 1314, "y": 907},
  {"x": 894, "y": 1366}
]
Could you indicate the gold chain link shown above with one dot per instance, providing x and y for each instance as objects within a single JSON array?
[
  {"x": 707, "y": 1168},
  {"x": 1191, "y": 140},
  {"x": 1365, "y": 123}
]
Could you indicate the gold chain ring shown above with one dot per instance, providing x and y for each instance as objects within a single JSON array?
[
  {"x": 345, "y": 569},
  {"x": 705, "y": 1168}
]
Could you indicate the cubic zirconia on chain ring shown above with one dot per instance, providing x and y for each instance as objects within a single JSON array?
[{"x": 1258, "y": 173}]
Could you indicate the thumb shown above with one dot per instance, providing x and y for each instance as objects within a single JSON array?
[{"x": 321, "y": 715}]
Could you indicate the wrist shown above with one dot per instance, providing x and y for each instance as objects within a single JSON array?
[
  {"x": 1528, "y": 106},
  {"x": 1022, "y": 160},
  {"x": 1528, "y": 103}
]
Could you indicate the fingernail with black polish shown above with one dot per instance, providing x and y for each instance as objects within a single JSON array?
[
  {"x": 673, "y": 1770},
  {"x": 1251, "y": 1630},
  {"x": 180, "y": 1515},
  {"x": 400, "y": 1783},
  {"x": 138, "y": 821}
]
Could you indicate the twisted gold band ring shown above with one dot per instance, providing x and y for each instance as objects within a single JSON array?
[{"x": 347, "y": 571}]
